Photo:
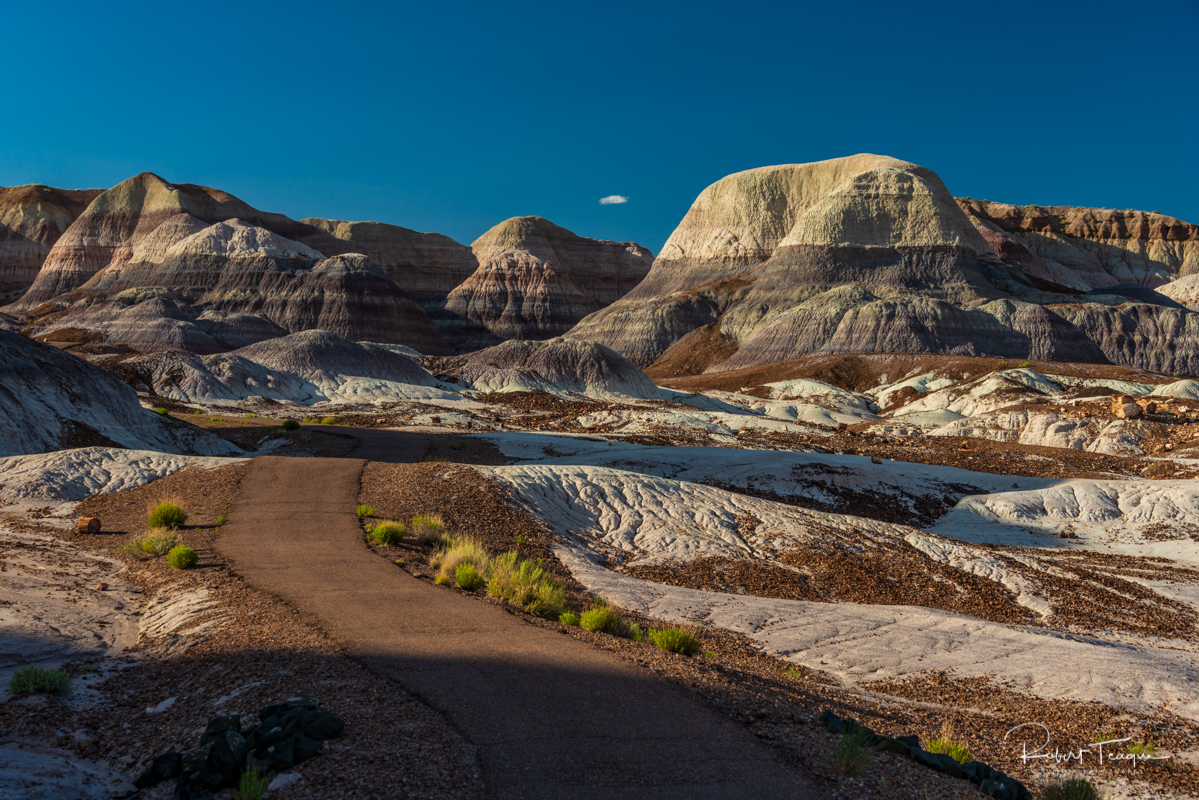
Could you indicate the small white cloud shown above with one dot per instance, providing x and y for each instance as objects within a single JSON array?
[{"x": 613, "y": 200}]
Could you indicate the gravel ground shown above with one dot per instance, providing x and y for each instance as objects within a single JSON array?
[{"x": 259, "y": 651}]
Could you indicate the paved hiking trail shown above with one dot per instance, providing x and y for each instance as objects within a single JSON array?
[{"x": 551, "y": 716}]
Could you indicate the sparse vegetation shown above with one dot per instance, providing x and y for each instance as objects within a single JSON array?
[
  {"x": 290, "y": 425},
  {"x": 249, "y": 415},
  {"x": 252, "y": 785},
  {"x": 796, "y": 674},
  {"x": 158, "y": 543},
  {"x": 389, "y": 533},
  {"x": 1145, "y": 749},
  {"x": 167, "y": 515},
  {"x": 365, "y": 511},
  {"x": 469, "y": 578},
  {"x": 162, "y": 411},
  {"x": 850, "y": 754},
  {"x": 675, "y": 640},
  {"x": 220, "y": 520},
  {"x": 442, "y": 580},
  {"x": 182, "y": 557},
  {"x": 1071, "y": 789},
  {"x": 328, "y": 420},
  {"x": 427, "y": 528},
  {"x": 37, "y": 680},
  {"x": 569, "y": 618}
]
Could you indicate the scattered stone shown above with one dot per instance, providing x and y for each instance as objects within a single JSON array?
[{"x": 101, "y": 587}]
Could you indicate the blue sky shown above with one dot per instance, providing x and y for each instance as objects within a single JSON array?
[{"x": 456, "y": 117}]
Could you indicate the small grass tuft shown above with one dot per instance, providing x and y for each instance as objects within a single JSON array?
[
  {"x": 850, "y": 755},
  {"x": 158, "y": 544},
  {"x": 796, "y": 674},
  {"x": 290, "y": 425},
  {"x": 252, "y": 785},
  {"x": 182, "y": 557},
  {"x": 167, "y": 515},
  {"x": 442, "y": 580},
  {"x": 675, "y": 640},
  {"x": 468, "y": 577},
  {"x": 365, "y": 511},
  {"x": 427, "y": 528},
  {"x": 1071, "y": 789},
  {"x": 526, "y": 584},
  {"x": 389, "y": 533},
  {"x": 605, "y": 620},
  {"x": 328, "y": 420},
  {"x": 36, "y": 680},
  {"x": 569, "y": 618},
  {"x": 947, "y": 745},
  {"x": 162, "y": 411},
  {"x": 1146, "y": 749}
]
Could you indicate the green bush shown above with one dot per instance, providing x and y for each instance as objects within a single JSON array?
[
  {"x": 526, "y": 584},
  {"x": 605, "y": 620},
  {"x": 427, "y": 528},
  {"x": 1146, "y": 749},
  {"x": 162, "y": 411},
  {"x": 158, "y": 544},
  {"x": 569, "y": 618},
  {"x": 290, "y": 425},
  {"x": 182, "y": 557},
  {"x": 249, "y": 415},
  {"x": 1070, "y": 789},
  {"x": 948, "y": 747},
  {"x": 442, "y": 580},
  {"x": 469, "y": 578},
  {"x": 850, "y": 754},
  {"x": 36, "y": 680},
  {"x": 365, "y": 511},
  {"x": 328, "y": 420},
  {"x": 676, "y": 641},
  {"x": 167, "y": 515},
  {"x": 389, "y": 533}
]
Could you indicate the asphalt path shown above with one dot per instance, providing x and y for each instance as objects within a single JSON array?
[{"x": 551, "y": 716}]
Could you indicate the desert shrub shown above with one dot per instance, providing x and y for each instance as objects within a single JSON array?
[
  {"x": 675, "y": 640},
  {"x": 850, "y": 754},
  {"x": 182, "y": 557},
  {"x": 365, "y": 511},
  {"x": 469, "y": 578},
  {"x": 252, "y": 785},
  {"x": 158, "y": 544},
  {"x": 249, "y": 415},
  {"x": 290, "y": 425},
  {"x": 328, "y": 420},
  {"x": 162, "y": 411},
  {"x": 36, "y": 680},
  {"x": 569, "y": 618},
  {"x": 605, "y": 620},
  {"x": 526, "y": 584},
  {"x": 1071, "y": 789},
  {"x": 167, "y": 515},
  {"x": 389, "y": 533},
  {"x": 1146, "y": 749},
  {"x": 442, "y": 580},
  {"x": 427, "y": 528}
]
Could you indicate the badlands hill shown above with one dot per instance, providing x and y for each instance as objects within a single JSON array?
[
  {"x": 50, "y": 400},
  {"x": 152, "y": 266},
  {"x": 32, "y": 218},
  {"x": 870, "y": 254},
  {"x": 1088, "y": 248},
  {"x": 536, "y": 280}
]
